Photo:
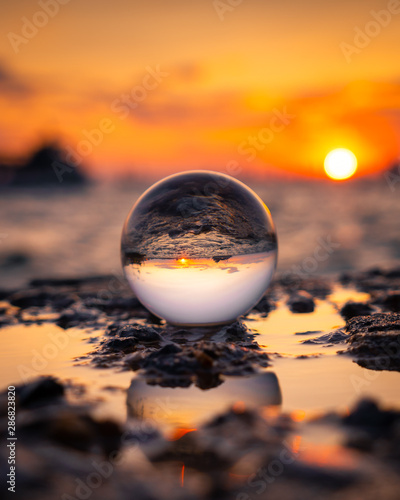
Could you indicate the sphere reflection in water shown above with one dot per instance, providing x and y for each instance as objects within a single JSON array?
[
  {"x": 199, "y": 248},
  {"x": 191, "y": 407}
]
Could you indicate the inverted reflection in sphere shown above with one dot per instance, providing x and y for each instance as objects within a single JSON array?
[{"x": 199, "y": 248}]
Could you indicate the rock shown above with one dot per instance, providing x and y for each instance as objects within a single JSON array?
[
  {"x": 201, "y": 362},
  {"x": 301, "y": 302},
  {"x": 316, "y": 287},
  {"x": 120, "y": 345},
  {"x": 115, "y": 304},
  {"x": 373, "y": 280},
  {"x": 41, "y": 297},
  {"x": 328, "y": 339},
  {"x": 375, "y": 341},
  {"x": 41, "y": 391},
  {"x": 236, "y": 331},
  {"x": 374, "y": 430},
  {"x": 69, "y": 282},
  {"x": 264, "y": 306},
  {"x": 124, "y": 341},
  {"x": 352, "y": 309},
  {"x": 392, "y": 301},
  {"x": 77, "y": 318},
  {"x": 141, "y": 334},
  {"x": 80, "y": 431},
  {"x": 368, "y": 416},
  {"x": 134, "y": 361},
  {"x": 308, "y": 332}
]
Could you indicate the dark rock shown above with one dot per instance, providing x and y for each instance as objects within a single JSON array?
[
  {"x": 328, "y": 339},
  {"x": 76, "y": 318},
  {"x": 375, "y": 341},
  {"x": 329, "y": 478},
  {"x": 264, "y": 306},
  {"x": 120, "y": 345},
  {"x": 317, "y": 287},
  {"x": 134, "y": 361},
  {"x": 170, "y": 349},
  {"x": 115, "y": 304},
  {"x": 368, "y": 416},
  {"x": 373, "y": 280},
  {"x": 71, "y": 427},
  {"x": 69, "y": 282},
  {"x": 141, "y": 334},
  {"x": 301, "y": 302},
  {"x": 374, "y": 430},
  {"x": 352, "y": 309},
  {"x": 393, "y": 273},
  {"x": 125, "y": 340},
  {"x": 41, "y": 298},
  {"x": 308, "y": 332},
  {"x": 202, "y": 362},
  {"x": 40, "y": 392},
  {"x": 235, "y": 331},
  {"x": 392, "y": 301},
  {"x": 5, "y": 294}
]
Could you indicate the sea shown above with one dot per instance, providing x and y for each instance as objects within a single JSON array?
[{"x": 322, "y": 227}]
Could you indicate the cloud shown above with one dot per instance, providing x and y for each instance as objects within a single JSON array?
[
  {"x": 200, "y": 108},
  {"x": 11, "y": 85}
]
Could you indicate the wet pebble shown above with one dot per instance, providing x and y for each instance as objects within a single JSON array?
[
  {"x": 352, "y": 309},
  {"x": 301, "y": 302}
]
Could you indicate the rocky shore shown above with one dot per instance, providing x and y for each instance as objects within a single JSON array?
[{"x": 66, "y": 451}]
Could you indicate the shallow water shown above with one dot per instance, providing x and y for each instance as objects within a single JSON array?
[
  {"x": 321, "y": 227},
  {"x": 319, "y": 382},
  {"x": 37, "y": 350}
]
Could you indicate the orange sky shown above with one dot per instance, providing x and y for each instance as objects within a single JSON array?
[{"x": 268, "y": 86}]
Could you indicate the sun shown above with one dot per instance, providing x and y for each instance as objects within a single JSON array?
[{"x": 340, "y": 164}]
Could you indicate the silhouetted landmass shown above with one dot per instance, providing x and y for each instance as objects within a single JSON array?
[{"x": 46, "y": 166}]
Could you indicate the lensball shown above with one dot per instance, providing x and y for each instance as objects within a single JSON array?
[{"x": 199, "y": 248}]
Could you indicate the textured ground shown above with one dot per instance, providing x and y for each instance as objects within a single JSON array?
[{"x": 64, "y": 451}]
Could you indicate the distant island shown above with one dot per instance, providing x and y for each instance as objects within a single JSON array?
[{"x": 46, "y": 166}]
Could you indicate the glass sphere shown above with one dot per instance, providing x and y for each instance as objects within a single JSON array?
[{"x": 199, "y": 248}]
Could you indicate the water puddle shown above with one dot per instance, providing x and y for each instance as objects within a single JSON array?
[
  {"x": 188, "y": 408},
  {"x": 304, "y": 376}
]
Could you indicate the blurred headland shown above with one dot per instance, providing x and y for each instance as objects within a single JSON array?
[{"x": 47, "y": 166}]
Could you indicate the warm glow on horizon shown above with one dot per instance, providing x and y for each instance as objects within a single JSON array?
[
  {"x": 185, "y": 91},
  {"x": 340, "y": 164}
]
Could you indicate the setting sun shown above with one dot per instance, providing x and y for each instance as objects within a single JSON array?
[{"x": 340, "y": 164}]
